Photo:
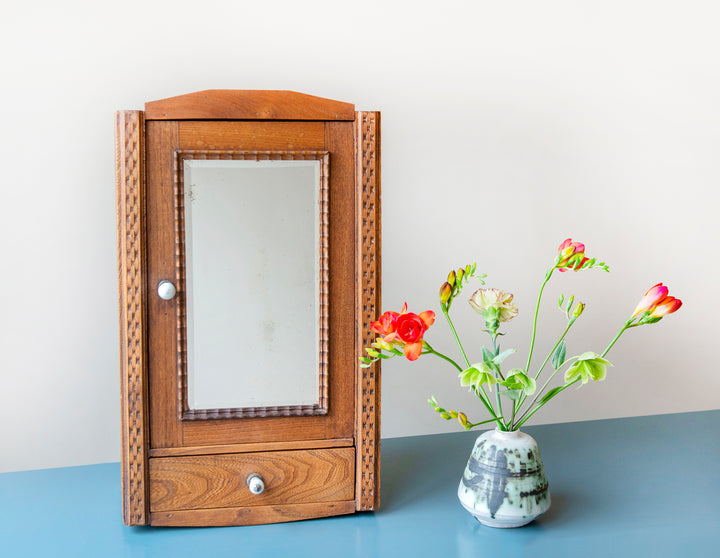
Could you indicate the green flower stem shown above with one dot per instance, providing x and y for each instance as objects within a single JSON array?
[
  {"x": 472, "y": 425},
  {"x": 457, "y": 339},
  {"x": 627, "y": 325},
  {"x": 536, "y": 409},
  {"x": 541, "y": 391},
  {"x": 484, "y": 400},
  {"x": 431, "y": 351},
  {"x": 552, "y": 352},
  {"x": 525, "y": 416},
  {"x": 535, "y": 319},
  {"x": 498, "y": 375}
]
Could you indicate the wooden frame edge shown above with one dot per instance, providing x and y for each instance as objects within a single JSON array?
[
  {"x": 368, "y": 286},
  {"x": 234, "y": 104},
  {"x": 130, "y": 177}
]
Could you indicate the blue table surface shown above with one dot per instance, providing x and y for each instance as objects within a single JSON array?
[{"x": 644, "y": 486}]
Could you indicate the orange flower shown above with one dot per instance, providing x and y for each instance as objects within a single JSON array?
[{"x": 385, "y": 325}]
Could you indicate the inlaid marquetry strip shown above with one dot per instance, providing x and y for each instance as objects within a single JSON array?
[
  {"x": 131, "y": 268},
  {"x": 181, "y": 314},
  {"x": 367, "y": 145}
]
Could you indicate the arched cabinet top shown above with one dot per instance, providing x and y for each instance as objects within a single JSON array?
[{"x": 232, "y": 104}]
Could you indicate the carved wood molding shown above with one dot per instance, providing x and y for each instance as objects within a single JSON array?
[
  {"x": 180, "y": 277},
  {"x": 130, "y": 163},
  {"x": 367, "y": 146}
]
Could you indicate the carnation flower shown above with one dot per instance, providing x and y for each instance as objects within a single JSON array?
[{"x": 484, "y": 299}]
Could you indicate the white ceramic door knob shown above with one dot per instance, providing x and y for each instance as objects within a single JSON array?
[
  {"x": 255, "y": 483},
  {"x": 166, "y": 290}
]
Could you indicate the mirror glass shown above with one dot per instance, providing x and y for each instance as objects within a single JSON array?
[{"x": 252, "y": 282}]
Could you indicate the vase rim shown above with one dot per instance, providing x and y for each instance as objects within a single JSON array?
[{"x": 516, "y": 431}]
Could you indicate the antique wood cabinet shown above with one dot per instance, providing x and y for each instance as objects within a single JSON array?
[{"x": 309, "y": 447}]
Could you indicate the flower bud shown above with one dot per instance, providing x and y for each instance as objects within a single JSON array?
[
  {"x": 666, "y": 306},
  {"x": 445, "y": 293},
  {"x": 578, "y": 309},
  {"x": 451, "y": 278},
  {"x": 652, "y": 298}
]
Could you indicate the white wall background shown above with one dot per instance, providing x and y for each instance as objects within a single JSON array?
[{"x": 507, "y": 126}]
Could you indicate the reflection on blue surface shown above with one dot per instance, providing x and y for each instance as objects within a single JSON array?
[{"x": 646, "y": 486}]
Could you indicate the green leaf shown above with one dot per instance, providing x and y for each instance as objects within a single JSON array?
[
  {"x": 502, "y": 356},
  {"x": 558, "y": 358},
  {"x": 589, "y": 366},
  {"x": 487, "y": 355},
  {"x": 513, "y": 394}
]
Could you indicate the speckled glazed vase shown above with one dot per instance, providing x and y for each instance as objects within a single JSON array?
[{"x": 504, "y": 483}]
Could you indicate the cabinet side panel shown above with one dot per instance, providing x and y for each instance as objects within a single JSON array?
[
  {"x": 130, "y": 172},
  {"x": 367, "y": 146}
]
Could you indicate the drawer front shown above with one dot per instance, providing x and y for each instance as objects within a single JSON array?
[{"x": 214, "y": 481}]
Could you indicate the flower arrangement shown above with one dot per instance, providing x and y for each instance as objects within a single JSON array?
[{"x": 403, "y": 334}]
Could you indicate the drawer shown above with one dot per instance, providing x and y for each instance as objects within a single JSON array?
[{"x": 214, "y": 481}]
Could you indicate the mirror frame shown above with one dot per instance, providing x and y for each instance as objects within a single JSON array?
[
  {"x": 134, "y": 288},
  {"x": 186, "y": 413}
]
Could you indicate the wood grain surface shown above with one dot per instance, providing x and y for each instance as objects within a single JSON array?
[
  {"x": 255, "y": 515},
  {"x": 130, "y": 176},
  {"x": 218, "y": 481},
  {"x": 216, "y": 104}
]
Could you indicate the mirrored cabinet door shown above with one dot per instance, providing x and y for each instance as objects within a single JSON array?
[{"x": 249, "y": 234}]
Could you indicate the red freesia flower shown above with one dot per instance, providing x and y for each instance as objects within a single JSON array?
[
  {"x": 571, "y": 255},
  {"x": 666, "y": 306},
  {"x": 652, "y": 298},
  {"x": 406, "y": 327}
]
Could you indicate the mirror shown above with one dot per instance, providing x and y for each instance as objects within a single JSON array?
[{"x": 254, "y": 233}]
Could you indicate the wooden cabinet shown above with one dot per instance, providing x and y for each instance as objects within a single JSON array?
[{"x": 185, "y": 463}]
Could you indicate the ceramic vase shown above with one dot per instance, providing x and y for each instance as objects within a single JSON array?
[{"x": 504, "y": 483}]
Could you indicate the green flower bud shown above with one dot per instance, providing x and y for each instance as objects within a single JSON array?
[{"x": 578, "y": 309}]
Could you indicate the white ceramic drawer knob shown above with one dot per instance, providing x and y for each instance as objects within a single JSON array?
[
  {"x": 255, "y": 483},
  {"x": 166, "y": 290}
]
